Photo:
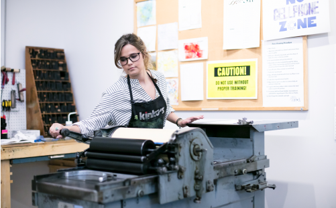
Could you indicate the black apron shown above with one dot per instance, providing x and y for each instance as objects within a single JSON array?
[{"x": 148, "y": 114}]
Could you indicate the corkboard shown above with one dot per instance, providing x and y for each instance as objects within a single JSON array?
[{"x": 212, "y": 27}]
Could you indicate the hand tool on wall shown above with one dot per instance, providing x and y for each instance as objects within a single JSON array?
[
  {"x": 20, "y": 91},
  {"x": 13, "y": 99},
  {"x": 4, "y": 81},
  {"x": 4, "y": 132},
  {"x": 8, "y": 69}
]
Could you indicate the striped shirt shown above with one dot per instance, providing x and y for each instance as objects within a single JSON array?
[{"x": 115, "y": 105}]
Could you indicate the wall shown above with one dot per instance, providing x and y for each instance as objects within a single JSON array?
[
  {"x": 87, "y": 30},
  {"x": 302, "y": 160}
]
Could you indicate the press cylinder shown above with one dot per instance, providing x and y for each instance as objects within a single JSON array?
[
  {"x": 116, "y": 157},
  {"x": 121, "y": 146},
  {"x": 117, "y": 166}
]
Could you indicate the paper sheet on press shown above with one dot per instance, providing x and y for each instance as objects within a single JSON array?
[
  {"x": 19, "y": 138},
  {"x": 156, "y": 135}
]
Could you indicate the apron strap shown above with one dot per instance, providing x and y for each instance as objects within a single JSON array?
[
  {"x": 158, "y": 89},
  {"x": 129, "y": 87}
]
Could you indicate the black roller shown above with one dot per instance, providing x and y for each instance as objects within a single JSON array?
[
  {"x": 117, "y": 166},
  {"x": 121, "y": 146},
  {"x": 115, "y": 157}
]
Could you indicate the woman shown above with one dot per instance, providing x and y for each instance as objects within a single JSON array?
[{"x": 138, "y": 99}]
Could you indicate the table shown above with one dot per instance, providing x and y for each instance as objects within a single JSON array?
[{"x": 30, "y": 152}]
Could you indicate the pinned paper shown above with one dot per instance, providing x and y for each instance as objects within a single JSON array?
[
  {"x": 146, "y": 13},
  {"x": 191, "y": 81},
  {"x": 243, "y": 31},
  {"x": 148, "y": 36},
  {"x": 167, "y": 36},
  {"x": 232, "y": 79},
  {"x": 193, "y": 49},
  {"x": 291, "y": 18},
  {"x": 153, "y": 60},
  {"x": 168, "y": 63},
  {"x": 172, "y": 90},
  {"x": 190, "y": 15},
  {"x": 283, "y": 73}
]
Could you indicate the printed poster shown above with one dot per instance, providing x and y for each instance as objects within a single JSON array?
[
  {"x": 193, "y": 49},
  {"x": 146, "y": 13},
  {"x": 283, "y": 73},
  {"x": 172, "y": 90},
  {"x": 234, "y": 79},
  {"x": 290, "y": 18}
]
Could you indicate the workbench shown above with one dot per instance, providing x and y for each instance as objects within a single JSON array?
[{"x": 32, "y": 152}]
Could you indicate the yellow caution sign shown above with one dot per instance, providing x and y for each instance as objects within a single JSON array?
[{"x": 235, "y": 79}]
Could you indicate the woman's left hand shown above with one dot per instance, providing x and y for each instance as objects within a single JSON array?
[{"x": 184, "y": 122}]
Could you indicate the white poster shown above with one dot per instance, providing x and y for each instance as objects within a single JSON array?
[
  {"x": 283, "y": 73},
  {"x": 242, "y": 32},
  {"x": 148, "y": 36},
  {"x": 190, "y": 15},
  {"x": 168, "y": 36},
  {"x": 289, "y": 18},
  {"x": 192, "y": 81},
  {"x": 193, "y": 49}
]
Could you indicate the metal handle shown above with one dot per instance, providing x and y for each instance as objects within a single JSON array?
[
  {"x": 64, "y": 132},
  {"x": 56, "y": 156},
  {"x": 254, "y": 187}
]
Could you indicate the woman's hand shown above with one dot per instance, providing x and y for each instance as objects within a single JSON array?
[
  {"x": 184, "y": 122},
  {"x": 55, "y": 129}
]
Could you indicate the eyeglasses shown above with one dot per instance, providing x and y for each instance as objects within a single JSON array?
[{"x": 133, "y": 57}]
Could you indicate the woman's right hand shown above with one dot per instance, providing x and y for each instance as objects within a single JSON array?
[{"x": 55, "y": 130}]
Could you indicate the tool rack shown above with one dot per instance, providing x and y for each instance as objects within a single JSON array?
[{"x": 49, "y": 92}]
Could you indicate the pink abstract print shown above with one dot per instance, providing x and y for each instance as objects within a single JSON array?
[{"x": 192, "y": 51}]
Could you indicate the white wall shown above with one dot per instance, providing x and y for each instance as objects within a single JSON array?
[
  {"x": 302, "y": 160},
  {"x": 87, "y": 31}
]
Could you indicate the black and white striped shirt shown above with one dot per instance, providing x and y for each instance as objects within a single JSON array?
[{"x": 115, "y": 105}]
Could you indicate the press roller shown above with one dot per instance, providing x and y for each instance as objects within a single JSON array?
[{"x": 210, "y": 164}]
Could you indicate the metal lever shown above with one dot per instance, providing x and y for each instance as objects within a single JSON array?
[
  {"x": 272, "y": 186},
  {"x": 78, "y": 137},
  {"x": 244, "y": 122},
  {"x": 251, "y": 187}
]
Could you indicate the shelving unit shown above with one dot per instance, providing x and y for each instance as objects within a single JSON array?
[{"x": 49, "y": 92}]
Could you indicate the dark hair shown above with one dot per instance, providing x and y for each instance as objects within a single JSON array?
[{"x": 135, "y": 41}]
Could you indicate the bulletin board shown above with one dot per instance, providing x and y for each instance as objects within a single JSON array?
[{"x": 212, "y": 27}]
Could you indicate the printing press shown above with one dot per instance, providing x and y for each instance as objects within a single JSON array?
[{"x": 212, "y": 164}]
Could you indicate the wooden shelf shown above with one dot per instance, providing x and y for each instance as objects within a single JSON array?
[
  {"x": 33, "y": 105},
  {"x": 51, "y": 91},
  {"x": 56, "y": 102},
  {"x": 47, "y": 59},
  {"x": 45, "y": 80},
  {"x": 49, "y": 70},
  {"x": 58, "y": 113}
]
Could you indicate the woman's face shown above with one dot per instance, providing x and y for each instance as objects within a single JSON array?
[{"x": 132, "y": 61}]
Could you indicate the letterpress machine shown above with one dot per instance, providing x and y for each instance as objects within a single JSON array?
[{"x": 211, "y": 164}]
